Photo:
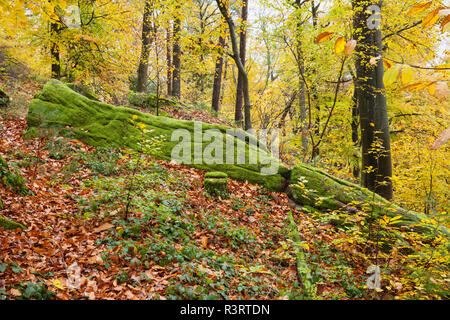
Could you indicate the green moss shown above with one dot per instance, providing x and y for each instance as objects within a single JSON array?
[
  {"x": 217, "y": 186},
  {"x": 303, "y": 269},
  {"x": 11, "y": 179},
  {"x": 58, "y": 108},
  {"x": 148, "y": 101},
  {"x": 216, "y": 175},
  {"x": 83, "y": 90},
  {"x": 4, "y": 99},
  {"x": 10, "y": 225},
  {"x": 316, "y": 188}
]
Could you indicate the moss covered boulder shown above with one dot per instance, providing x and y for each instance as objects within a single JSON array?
[
  {"x": 148, "y": 100},
  {"x": 315, "y": 188},
  {"x": 4, "y": 99},
  {"x": 216, "y": 183},
  {"x": 83, "y": 90},
  {"x": 68, "y": 113},
  {"x": 12, "y": 180}
]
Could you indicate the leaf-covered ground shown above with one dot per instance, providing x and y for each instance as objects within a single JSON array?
[{"x": 178, "y": 242}]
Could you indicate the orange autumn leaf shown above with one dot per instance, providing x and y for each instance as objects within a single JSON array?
[
  {"x": 324, "y": 36},
  {"x": 431, "y": 18},
  {"x": 419, "y": 8}
]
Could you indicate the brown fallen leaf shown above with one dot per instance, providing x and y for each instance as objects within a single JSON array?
[
  {"x": 204, "y": 241},
  {"x": 15, "y": 292},
  {"x": 103, "y": 227},
  {"x": 443, "y": 139}
]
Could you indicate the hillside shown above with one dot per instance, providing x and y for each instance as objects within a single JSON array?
[{"x": 177, "y": 241}]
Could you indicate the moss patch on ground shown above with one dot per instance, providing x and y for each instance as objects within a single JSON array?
[
  {"x": 11, "y": 179},
  {"x": 70, "y": 114},
  {"x": 10, "y": 225}
]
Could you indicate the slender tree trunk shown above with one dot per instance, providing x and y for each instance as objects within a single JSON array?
[
  {"x": 236, "y": 57},
  {"x": 301, "y": 88},
  {"x": 314, "y": 95},
  {"x": 372, "y": 105},
  {"x": 54, "y": 52},
  {"x": 355, "y": 132},
  {"x": 222, "y": 90},
  {"x": 146, "y": 47},
  {"x": 242, "y": 55},
  {"x": 169, "y": 61},
  {"x": 218, "y": 77},
  {"x": 176, "y": 82},
  {"x": 202, "y": 55}
]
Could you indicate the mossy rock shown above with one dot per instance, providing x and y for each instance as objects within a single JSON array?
[
  {"x": 83, "y": 90},
  {"x": 216, "y": 175},
  {"x": 10, "y": 225},
  {"x": 216, "y": 183},
  {"x": 59, "y": 108},
  {"x": 323, "y": 191},
  {"x": 11, "y": 179},
  {"x": 4, "y": 99},
  {"x": 148, "y": 100}
]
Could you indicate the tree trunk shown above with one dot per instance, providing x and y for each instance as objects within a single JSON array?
[
  {"x": 372, "y": 104},
  {"x": 302, "y": 127},
  {"x": 242, "y": 55},
  {"x": 169, "y": 62},
  {"x": 218, "y": 77},
  {"x": 176, "y": 82},
  {"x": 146, "y": 47},
  {"x": 355, "y": 132},
  {"x": 236, "y": 57},
  {"x": 314, "y": 94},
  {"x": 54, "y": 52},
  {"x": 222, "y": 93}
]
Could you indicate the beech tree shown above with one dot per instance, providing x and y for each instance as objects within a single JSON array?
[
  {"x": 371, "y": 99},
  {"x": 236, "y": 55},
  {"x": 176, "y": 55},
  {"x": 147, "y": 31},
  {"x": 218, "y": 76},
  {"x": 238, "y": 115}
]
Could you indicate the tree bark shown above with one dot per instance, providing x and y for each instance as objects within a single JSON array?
[
  {"x": 54, "y": 52},
  {"x": 354, "y": 127},
  {"x": 242, "y": 55},
  {"x": 146, "y": 47},
  {"x": 169, "y": 62},
  {"x": 372, "y": 105},
  {"x": 218, "y": 77},
  {"x": 236, "y": 57},
  {"x": 176, "y": 80},
  {"x": 302, "y": 126},
  {"x": 222, "y": 93}
]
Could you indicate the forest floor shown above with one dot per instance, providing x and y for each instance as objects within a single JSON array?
[{"x": 177, "y": 242}]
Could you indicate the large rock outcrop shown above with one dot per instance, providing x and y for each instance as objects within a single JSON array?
[
  {"x": 316, "y": 188},
  {"x": 68, "y": 113}
]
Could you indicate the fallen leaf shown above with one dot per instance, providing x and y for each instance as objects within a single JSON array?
[{"x": 103, "y": 227}]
